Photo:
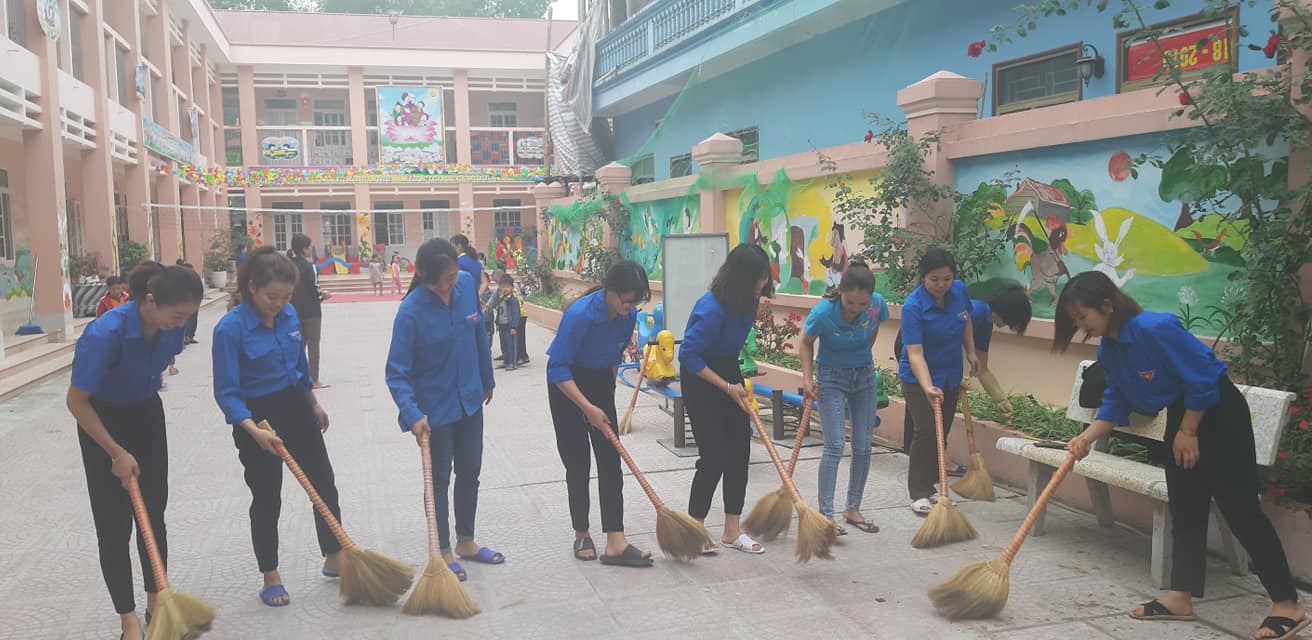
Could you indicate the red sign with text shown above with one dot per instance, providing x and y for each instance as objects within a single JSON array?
[{"x": 1198, "y": 48}]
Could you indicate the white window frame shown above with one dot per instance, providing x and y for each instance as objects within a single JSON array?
[
  {"x": 286, "y": 225},
  {"x": 503, "y": 114},
  {"x": 436, "y": 223},
  {"x": 509, "y": 217},
  {"x": 331, "y": 113},
  {"x": 286, "y": 116},
  {"x": 74, "y": 220},
  {"x": 6, "y": 219}
]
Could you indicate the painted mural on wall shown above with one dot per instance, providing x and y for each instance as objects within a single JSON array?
[
  {"x": 651, "y": 221},
  {"x": 1077, "y": 208},
  {"x": 569, "y": 235},
  {"x": 410, "y": 120},
  {"x": 793, "y": 221}
]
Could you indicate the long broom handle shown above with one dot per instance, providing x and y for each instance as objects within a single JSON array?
[
  {"x": 628, "y": 460},
  {"x": 430, "y": 509},
  {"x": 1013, "y": 547},
  {"x": 774, "y": 456},
  {"x": 148, "y": 534},
  {"x": 318, "y": 502},
  {"x": 970, "y": 426},
  {"x": 642, "y": 372},
  {"x": 937, "y": 405},
  {"x": 802, "y": 428}
]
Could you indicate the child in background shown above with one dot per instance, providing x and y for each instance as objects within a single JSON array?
[
  {"x": 396, "y": 274},
  {"x": 376, "y": 267},
  {"x": 508, "y": 314},
  {"x": 117, "y": 295}
]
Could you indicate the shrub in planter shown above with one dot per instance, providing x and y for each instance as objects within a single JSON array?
[{"x": 131, "y": 254}]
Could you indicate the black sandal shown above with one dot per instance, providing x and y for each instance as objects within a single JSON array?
[
  {"x": 1285, "y": 628},
  {"x": 631, "y": 557},
  {"x": 584, "y": 544},
  {"x": 864, "y": 525},
  {"x": 1155, "y": 610}
]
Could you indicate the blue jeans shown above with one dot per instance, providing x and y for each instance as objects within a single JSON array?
[
  {"x": 461, "y": 443},
  {"x": 842, "y": 392}
]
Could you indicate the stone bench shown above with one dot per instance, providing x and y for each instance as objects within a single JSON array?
[{"x": 1270, "y": 413}]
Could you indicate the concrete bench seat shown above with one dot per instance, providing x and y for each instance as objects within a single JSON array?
[{"x": 1270, "y": 414}]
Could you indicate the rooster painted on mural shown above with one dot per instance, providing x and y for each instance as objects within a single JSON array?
[{"x": 1040, "y": 255}]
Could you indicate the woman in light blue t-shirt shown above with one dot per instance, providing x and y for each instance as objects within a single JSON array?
[{"x": 845, "y": 323}]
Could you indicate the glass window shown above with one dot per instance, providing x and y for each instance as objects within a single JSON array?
[
  {"x": 126, "y": 74},
  {"x": 121, "y": 215},
  {"x": 681, "y": 165},
  {"x": 16, "y": 17},
  {"x": 751, "y": 139},
  {"x": 75, "y": 25},
  {"x": 286, "y": 225},
  {"x": 75, "y": 238},
  {"x": 337, "y": 227},
  {"x": 502, "y": 114},
  {"x": 436, "y": 224},
  {"x": 232, "y": 147},
  {"x": 508, "y": 218},
  {"x": 389, "y": 228},
  {"x": 237, "y": 213},
  {"x": 6, "y": 223},
  {"x": 644, "y": 169},
  {"x": 1040, "y": 80},
  {"x": 231, "y": 106},
  {"x": 279, "y": 112}
]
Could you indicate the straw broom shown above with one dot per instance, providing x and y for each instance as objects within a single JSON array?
[
  {"x": 945, "y": 523},
  {"x": 980, "y": 590},
  {"x": 679, "y": 535},
  {"x": 815, "y": 533},
  {"x": 368, "y": 577},
  {"x": 176, "y": 615},
  {"x": 774, "y": 509},
  {"x": 626, "y": 423},
  {"x": 977, "y": 484},
  {"x": 438, "y": 589}
]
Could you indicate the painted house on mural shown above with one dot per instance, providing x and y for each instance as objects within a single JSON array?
[
  {"x": 164, "y": 124},
  {"x": 792, "y": 80}
]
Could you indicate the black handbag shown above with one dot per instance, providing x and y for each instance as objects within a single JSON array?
[{"x": 1093, "y": 384}]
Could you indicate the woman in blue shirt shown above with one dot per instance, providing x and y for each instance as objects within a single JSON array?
[
  {"x": 468, "y": 261},
  {"x": 712, "y": 386},
  {"x": 114, "y": 396},
  {"x": 261, "y": 373},
  {"x": 1153, "y": 363},
  {"x": 440, "y": 386},
  {"x": 845, "y": 323},
  {"x": 934, "y": 321},
  {"x": 582, "y": 364}
]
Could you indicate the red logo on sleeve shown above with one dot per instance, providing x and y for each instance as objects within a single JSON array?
[{"x": 1147, "y": 375}]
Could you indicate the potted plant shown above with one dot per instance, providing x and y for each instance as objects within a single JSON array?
[
  {"x": 131, "y": 254},
  {"x": 216, "y": 263}
]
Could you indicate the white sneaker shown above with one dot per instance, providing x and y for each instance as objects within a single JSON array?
[{"x": 921, "y": 507}]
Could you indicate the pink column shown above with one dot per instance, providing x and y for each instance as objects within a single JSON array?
[
  {"x": 464, "y": 153},
  {"x": 716, "y": 156},
  {"x": 937, "y": 102},
  {"x": 357, "y": 116},
  {"x": 98, "y": 229},
  {"x": 613, "y": 179},
  {"x": 250, "y": 138}
]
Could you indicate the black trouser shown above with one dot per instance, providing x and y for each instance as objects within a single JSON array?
[
  {"x": 291, "y": 416},
  {"x": 724, "y": 438},
  {"x": 522, "y": 351},
  {"x": 572, "y": 435},
  {"x": 509, "y": 344},
  {"x": 1227, "y": 472},
  {"x": 139, "y": 428},
  {"x": 189, "y": 327},
  {"x": 923, "y": 472}
]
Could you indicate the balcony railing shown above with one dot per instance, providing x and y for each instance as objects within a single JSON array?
[
  {"x": 659, "y": 26},
  {"x": 303, "y": 146}
]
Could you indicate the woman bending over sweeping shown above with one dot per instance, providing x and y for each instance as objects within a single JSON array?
[
  {"x": 582, "y": 363},
  {"x": 114, "y": 396},
  {"x": 845, "y": 323},
  {"x": 713, "y": 392},
  {"x": 261, "y": 373},
  {"x": 439, "y": 370},
  {"x": 934, "y": 322},
  {"x": 1007, "y": 307},
  {"x": 1153, "y": 363}
]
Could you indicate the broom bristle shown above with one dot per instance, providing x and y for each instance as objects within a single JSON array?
[
  {"x": 815, "y": 534},
  {"x": 976, "y": 591},
  {"x": 944, "y": 524},
  {"x": 177, "y": 615},
  {"x": 371, "y": 578},
  {"x": 439, "y": 591},
  {"x": 679, "y": 535},
  {"x": 977, "y": 484},
  {"x": 770, "y": 516}
]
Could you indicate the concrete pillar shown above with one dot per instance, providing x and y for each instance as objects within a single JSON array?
[
  {"x": 136, "y": 177},
  {"x": 204, "y": 98},
  {"x": 543, "y": 195},
  {"x": 46, "y": 215},
  {"x": 465, "y": 196},
  {"x": 464, "y": 152},
  {"x": 356, "y": 105},
  {"x": 716, "y": 155},
  {"x": 99, "y": 232},
  {"x": 194, "y": 236},
  {"x": 613, "y": 179},
  {"x": 363, "y": 203},
  {"x": 250, "y": 138},
  {"x": 937, "y": 102}
]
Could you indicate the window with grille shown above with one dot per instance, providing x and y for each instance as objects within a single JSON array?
[
  {"x": 231, "y": 106},
  {"x": 336, "y": 227},
  {"x": 75, "y": 239},
  {"x": 502, "y": 114},
  {"x": 644, "y": 170},
  {"x": 681, "y": 165},
  {"x": 75, "y": 24},
  {"x": 286, "y": 225},
  {"x": 121, "y": 216},
  {"x": 1040, "y": 80},
  {"x": 751, "y": 139},
  {"x": 436, "y": 224},
  {"x": 389, "y": 228},
  {"x": 16, "y": 17},
  {"x": 507, "y": 218},
  {"x": 279, "y": 112},
  {"x": 237, "y": 213},
  {"x": 6, "y": 225},
  {"x": 330, "y": 113}
]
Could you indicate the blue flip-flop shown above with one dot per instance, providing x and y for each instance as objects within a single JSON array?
[
  {"x": 329, "y": 573},
  {"x": 458, "y": 570},
  {"x": 275, "y": 591},
  {"x": 486, "y": 556}
]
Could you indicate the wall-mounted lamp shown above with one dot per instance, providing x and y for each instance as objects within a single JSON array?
[
  {"x": 1090, "y": 64},
  {"x": 393, "y": 17}
]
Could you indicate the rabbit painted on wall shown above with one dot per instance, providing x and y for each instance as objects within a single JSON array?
[{"x": 1109, "y": 251}]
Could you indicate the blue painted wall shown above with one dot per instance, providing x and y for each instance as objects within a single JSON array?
[{"x": 814, "y": 95}]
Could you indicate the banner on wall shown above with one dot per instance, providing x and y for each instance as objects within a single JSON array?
[
  {"x": 193, "y": 118},
  {"x": 47, "y": 14},
  {"x": 1198, "y": 48},
  {"x": 141, "y": 81},
  {"x": 159, "y": 140},
  {"x": 280, "y": 147},
  {"x": 410, "y": 124},
  {"x": 528, "y": 147}
]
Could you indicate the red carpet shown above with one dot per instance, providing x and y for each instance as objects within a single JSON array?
[{"x": 364, "y": 297}]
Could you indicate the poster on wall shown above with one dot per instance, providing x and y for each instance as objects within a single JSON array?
[
  {"x": 280, "y": 147},
  {"x": 528, "y": 147},
  {"x": 141, "y": 81},
  {"x": 193, "y": 117},
  {"x": 47, "y": 14},
  {"x": 410, "y": 124}
]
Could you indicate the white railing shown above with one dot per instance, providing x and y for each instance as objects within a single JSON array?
[
  {"x": 20, "y": 85},
  {"x": 660, "y": 26},
  {"x": 303, "y": 146}
]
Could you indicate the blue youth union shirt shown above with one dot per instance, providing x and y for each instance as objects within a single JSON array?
[
  {"x": 845, "y": 345},
  {"x": 439, "y": 364},
  {"x": 587, "y": 338},
  {"x": 712, "y": 332},
  {"x": 981, "y": 324},
  {"x": 1153, "y": 362},
  {"x": 252, "y": 360},
  {"x": 114, "y": 362},
  {"x": 941, "y": 330}
]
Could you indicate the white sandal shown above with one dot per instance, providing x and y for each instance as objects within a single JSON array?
[
  {"x": 745, "y": 544},
  {"x": 922, "y": 507}
]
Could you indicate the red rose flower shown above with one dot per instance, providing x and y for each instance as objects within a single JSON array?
[
  {"x": 1282, "y": 455},
  {"x": 1272, "y": 45},
  {"x": 975, "y": 48},
  {"x": 870, "y": 135},
  {"x": 1184, "y": 98},
  {"x": 1303, "y": 425},
  {"x": 1293, "y": 409}
]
